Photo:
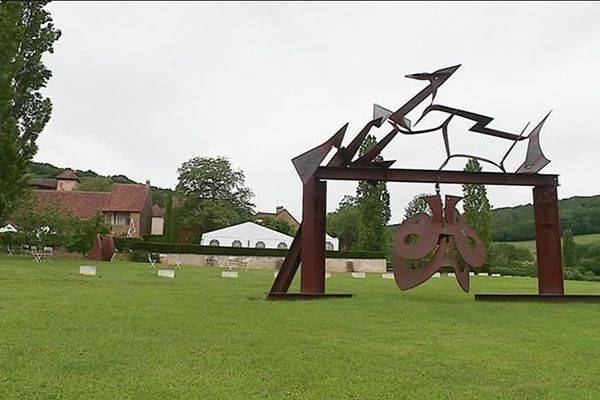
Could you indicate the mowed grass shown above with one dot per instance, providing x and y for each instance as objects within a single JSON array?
[
  {"x": 580, "y": 239},
  {"x": 128, "y": 334}
]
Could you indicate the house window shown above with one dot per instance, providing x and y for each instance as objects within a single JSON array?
[
  {"x": 282, "y": 245},
  {"x": 260, "y": 245},
  {"x": 236, "y": 243},
  {"x": 328, "y": 245},
  {"x": 120, "y": 218},
  {"x": 214, "y": 243}
]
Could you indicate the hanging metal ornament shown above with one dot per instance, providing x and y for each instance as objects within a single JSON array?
[{"x": 425, "y": 243}]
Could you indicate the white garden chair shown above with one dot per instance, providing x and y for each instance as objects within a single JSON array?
[
  {"x": 178, "y": 262},
  {"x": 232, "y": 263},
  {"x": 244, "y": 263},
  {"x": 9, "y": 251},
  {"x": 48, "y": 252},
  {"x": 151, "y": 261}
]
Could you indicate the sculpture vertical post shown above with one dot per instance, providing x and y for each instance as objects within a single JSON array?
[
  {"x": 312, "y": 278},
  {"x": 547, "y": 240}
]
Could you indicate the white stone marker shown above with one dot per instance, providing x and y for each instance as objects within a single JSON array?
[
  {"x": 229, "y": 274},
  {"x": 451, "y": 275},
  {"x": 327, "y": 275},
  {"x": 358, "y": 275},
  {"x": 482, "y": 274},
  {"x": 471, "y": 273},
  {"x": 166, "y": 273},
  {"x": 89, "y": 270},
  {"x": 437, "y": 275},
  {"x": 387, "y": 275},
  {"x": 497, "y": 275}
]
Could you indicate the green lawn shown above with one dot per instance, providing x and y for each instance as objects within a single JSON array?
[
  {"x": 580, "y": 239},
  {"x": 128, "y": 334}
]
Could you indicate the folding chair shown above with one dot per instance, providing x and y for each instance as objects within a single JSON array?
[
  {"x": 178, "y": 262},
  {"x": 37, "y": 256},
  {"x": 232, "y": 263},
  {"x": 9, "y": 251},
  {"x": 48, "y": 251},
  {"x": 245, "y": 263},
  {"x": 151, "y": 261}
]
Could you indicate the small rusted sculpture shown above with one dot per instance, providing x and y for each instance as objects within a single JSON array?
[{"x": 103, "y": 248}]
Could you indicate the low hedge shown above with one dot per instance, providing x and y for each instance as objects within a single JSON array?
[
  {"x": 125, "y": 244},
  {"x": 180, "y": 248}
]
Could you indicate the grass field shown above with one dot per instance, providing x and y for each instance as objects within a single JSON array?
[
  {"x": 580, "y": 239},
  {"x": 128, "y": 334}
]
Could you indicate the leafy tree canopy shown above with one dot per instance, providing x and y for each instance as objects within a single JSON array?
[
  {"x": 212, "y": 195},
  {"x": 26, "y": 33}
]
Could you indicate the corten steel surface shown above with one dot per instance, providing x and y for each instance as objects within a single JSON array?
[
  {"x": 446, "y": 236},
  {"x": 547, "y": 234},
  {"x": 434, "y": 176},
  {"x": 103, "y": 248},
  {"x": 312, "y": 278},
  {"x": 308, "y": 246}
]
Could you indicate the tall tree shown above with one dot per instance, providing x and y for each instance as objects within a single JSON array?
[
  {"x": 26, "y": 33},
  {"x": 373, "y": 200},
  {"x": 170, "y": 233},
  {"x": 213, "y": 195},
  {"x": 343, "y": 223},
  {"x": 569, "y": 250},
  {"x": 476, "y": 206}
]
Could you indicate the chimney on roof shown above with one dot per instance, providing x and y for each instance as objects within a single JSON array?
[
  {"x": 279, "y": 209},
  {"x": 147, "y": 182}
]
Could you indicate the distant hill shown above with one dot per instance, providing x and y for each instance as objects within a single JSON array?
[
  {"x": 580, "y": 214},
  {"x": 45, "y": 170}
]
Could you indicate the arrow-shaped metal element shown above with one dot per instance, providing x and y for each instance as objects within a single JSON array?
[
  {"x": 436, "y": 79},
  {"x": 307, "y": 163},
  {"x": 376, "y": 150},
  {"x": 535, "y": 159}
]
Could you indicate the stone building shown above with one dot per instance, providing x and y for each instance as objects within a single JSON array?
[{"x": 127, "y": 208}]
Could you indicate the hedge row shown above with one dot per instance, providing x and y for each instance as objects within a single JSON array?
[{"x": 178, "y": 248}]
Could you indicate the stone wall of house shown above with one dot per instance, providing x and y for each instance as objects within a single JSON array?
[{"x": 263, "y": 262}]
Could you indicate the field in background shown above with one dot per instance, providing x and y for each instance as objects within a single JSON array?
[
  {"x": 129, "y": 334},
  {"x": 581, "y": 239}
]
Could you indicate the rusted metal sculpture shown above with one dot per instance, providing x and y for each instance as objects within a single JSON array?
[
  {"x": 439, "y": 241},
  {"x": 308, "y": 246},
  {"x": 103, "y": 248}
]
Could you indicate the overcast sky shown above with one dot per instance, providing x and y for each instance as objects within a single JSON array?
[{"x": 138, "y": 88}]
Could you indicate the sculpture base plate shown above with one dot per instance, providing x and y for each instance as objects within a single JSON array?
[
  {"x": 307, "y": 296},
  {"x": 541, "y": 298}
]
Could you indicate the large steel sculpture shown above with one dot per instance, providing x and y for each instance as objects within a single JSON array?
[{"x": 442, "y": 240}]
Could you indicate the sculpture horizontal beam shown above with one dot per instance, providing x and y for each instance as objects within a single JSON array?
[{"x": 434, "y": 176}]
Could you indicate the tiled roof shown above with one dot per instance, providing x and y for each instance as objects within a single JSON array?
[
  {"x": 128, "y": 198},
  {"x": 157, "y": 211},
  {"x": 68, "y": 175},
  {"x": 81, "y": 204},
  {"x": 123, "y": 198},
  {"x": 42, "y": 182}
]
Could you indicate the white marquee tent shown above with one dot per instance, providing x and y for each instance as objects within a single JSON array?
[{"x": 250, "y": 234}]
